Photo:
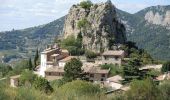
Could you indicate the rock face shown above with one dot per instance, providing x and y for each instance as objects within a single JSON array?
[
  {"x": 158, "y": 19},
  {"x": 158, "y": 15},
  {"x": 101, "y": 29}
]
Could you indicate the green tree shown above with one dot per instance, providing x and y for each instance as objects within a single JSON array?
[
  {"x": 4, "y": 70},
  {"x": 19, "y": 67},
  {"x": 86, "y": 4},
  {"x": 27, "y": 78},
  {"x": 73, "y": 69},
  {"x": 36, "y": 58},
  {"x": 131, "y": 70},
  {"x": 142, "y": 90},
  {"x": 73, "y": 45},
  {"x": 79, "y": 40},
  {"x": 134, "y": 52},
  {"x": 30, "y": 66},
  {"x": 166, "y": 67},
  {"x": 43, "y": 85}
]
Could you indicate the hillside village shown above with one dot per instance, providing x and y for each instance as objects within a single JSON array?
[
  {"x": 54, "y": 59},
  {"x": 92, "y": 60}
]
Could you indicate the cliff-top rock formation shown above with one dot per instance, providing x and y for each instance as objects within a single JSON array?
[{"x": 98, "y": 25}]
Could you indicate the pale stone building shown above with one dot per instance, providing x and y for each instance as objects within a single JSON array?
[
  {"x": 113, "y": 57},
  {"x": 50, "y": 58}
]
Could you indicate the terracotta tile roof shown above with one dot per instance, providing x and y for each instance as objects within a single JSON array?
[
  {"x": 151, "y": 67},
  {"x": 64, "y": 51},
  {"x": 55, "y": 69},
  {"x": 113, "y": 52},
  {"x": 55, "y": 55},
  {"x": 93, "y": 68},
  {"x": 116, "y": 79},
  {"x": 67, "y": 59},
  {"x": 98, "y": 70},
  {"x": 49, "y": 50},
  {"x": 52, "y": 78}
]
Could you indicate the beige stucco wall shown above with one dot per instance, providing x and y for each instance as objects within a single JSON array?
[
  {"x": 97, "y": 77},
  {"x": 14, "y": 82}
]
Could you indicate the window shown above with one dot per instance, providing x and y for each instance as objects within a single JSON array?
[
  {"x": 49, "y": 73},
  {"x": 116, "y": 58},
  {"x": 91, "y": 80},
  {"x": 91, "y": 75},
  {"x": 103, "y": 75}
]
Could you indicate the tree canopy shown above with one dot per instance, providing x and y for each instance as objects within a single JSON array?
[
  {"x": 86, "y": 4},
  {"x": 166, "y": 67},
  {"x": 73, "y": 69},
  {"x": 73, "y": 45}
]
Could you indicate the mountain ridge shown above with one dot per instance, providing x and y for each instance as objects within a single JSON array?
[{"x": 138, "y": 29}]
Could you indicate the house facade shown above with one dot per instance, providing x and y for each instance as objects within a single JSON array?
[
  {"x": 50, "y": 57},
  {"x": 113, "y": 57}
]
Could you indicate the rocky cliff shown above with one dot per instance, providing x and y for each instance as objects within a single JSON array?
[
  {"x": 158, "y": 15},
  {"x": 98, "y": 25}
]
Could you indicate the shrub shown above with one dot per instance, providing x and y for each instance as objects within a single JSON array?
[
  {"x": 78, "y": 90},
  {"x": 90, "y": 54},
  {"x": 82, "y": 23},
  {"x": 74, "y": 46},
  {"x": 43, "y": 85},
  {"x": 86, "y": 4},
  {"x": 142, "y": 90},
  {"x": 27, "y": 78},
  {"x": 4, "y": 70},
  {"x": 29, "y": 94},
  {"x": 164, "y": 90},
  {"x": 166, "y": 67}
]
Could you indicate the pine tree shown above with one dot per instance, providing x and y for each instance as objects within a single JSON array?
[{"x": 30, "y": 66}]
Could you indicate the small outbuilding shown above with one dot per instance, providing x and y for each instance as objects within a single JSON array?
[{"x": 14, "y": 81}]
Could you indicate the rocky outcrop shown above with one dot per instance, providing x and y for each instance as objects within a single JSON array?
[
  {"x": 158, "y": 18},
  {"x": 99, "y": 26}
]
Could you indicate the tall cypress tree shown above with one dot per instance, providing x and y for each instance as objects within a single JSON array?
[
  {"x": 30, "y": 66},
  {"x": 36, "y": 58}
]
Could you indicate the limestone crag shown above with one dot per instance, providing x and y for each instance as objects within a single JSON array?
[
  {"x": 101, "y": 30},
  {"x": 159, "y": 17}
]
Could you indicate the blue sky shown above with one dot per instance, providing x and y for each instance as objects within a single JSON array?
[{"x": 19, "y": 14}]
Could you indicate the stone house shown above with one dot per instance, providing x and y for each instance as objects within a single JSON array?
[
  {"x": 50, "y": 57},
  {"x": 113, "y": 57}
]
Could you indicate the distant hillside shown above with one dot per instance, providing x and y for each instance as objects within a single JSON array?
[
  {"x": 153, "y": 31},
  {"x": 24, "y": 42},
  {"x": 149, "y": 28}
]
